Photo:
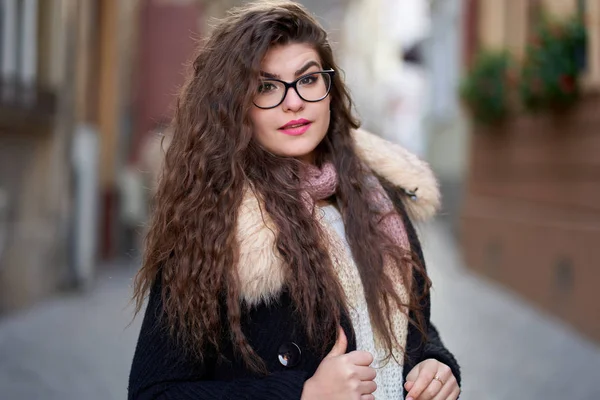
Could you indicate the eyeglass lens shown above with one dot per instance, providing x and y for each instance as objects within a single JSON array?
[{"x": 311, "y": 87}]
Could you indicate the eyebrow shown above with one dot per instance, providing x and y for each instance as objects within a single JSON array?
[{"x": 296, "y": 74}]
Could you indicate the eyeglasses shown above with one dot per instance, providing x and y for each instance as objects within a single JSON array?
[{"x": 311, "y": 87}]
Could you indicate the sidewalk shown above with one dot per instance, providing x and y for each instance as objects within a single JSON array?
[
  {"x": 72, "y": 347},
  {"x": 78, "y": 347},
  {"x": 507, "y": 349}
]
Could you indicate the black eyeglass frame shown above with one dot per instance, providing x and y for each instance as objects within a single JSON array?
[{"x": 294, "y": 84}]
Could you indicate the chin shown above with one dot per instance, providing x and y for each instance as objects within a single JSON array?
[
  {"x": 297, "y": 152},
  {"x": 294, "y": 148}
]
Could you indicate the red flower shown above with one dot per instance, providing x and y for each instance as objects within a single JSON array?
[{"x": 566, "y": 83}]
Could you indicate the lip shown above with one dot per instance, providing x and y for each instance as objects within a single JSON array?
[{"x": 288, "y": 128}]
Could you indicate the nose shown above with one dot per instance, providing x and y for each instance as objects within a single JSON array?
[{"x": 292, "y": 101}]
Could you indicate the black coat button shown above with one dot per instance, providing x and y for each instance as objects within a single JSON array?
[{"x": 289, "y": 354}]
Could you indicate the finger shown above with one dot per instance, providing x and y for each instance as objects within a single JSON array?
[
  {"x": 445, "y": 392},
  {"x": 455, "y": 393},
  {"x": 449, "y": 391},
  {"x": 408, "y": 385},
  {"x": 444, "y": 372},
  {"x": 366, "y": 373},
  {"x": 367, "y": 397},
  {"x": 421, "y": 383},
  {"x": 340, "y": 346},
  {"x": 413, "y": 374},
  {"x": 430, "y": 391},
  {"x": 367, "y": 387},
  {"x": 359, "y": 357}
]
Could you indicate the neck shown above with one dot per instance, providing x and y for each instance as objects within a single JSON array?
[
  {"x": 307, "y": 158},
  {"x": 325, "y": 202}
]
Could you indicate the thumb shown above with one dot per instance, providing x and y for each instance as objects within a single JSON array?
[{"x": 339, "y": 348}]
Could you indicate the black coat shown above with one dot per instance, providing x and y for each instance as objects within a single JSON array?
[{"x": 162, "y": 370}]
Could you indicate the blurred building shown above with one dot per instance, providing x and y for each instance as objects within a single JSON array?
[
  {"x": 40, "y": 77},
  {"x": 531, "y": 217},
  {"x": 380, "y": 50},
  {"x": 82, "y": 83},
  {"x": 66, "y": 68},
  {"x": 403, "y": 61},
  {"x": 445, "y": 124}
]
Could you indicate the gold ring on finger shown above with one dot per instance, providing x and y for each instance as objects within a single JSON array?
[{"x": 437, "y": 378}]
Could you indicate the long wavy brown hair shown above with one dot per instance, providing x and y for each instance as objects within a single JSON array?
[{"x": 213, "y": 159}]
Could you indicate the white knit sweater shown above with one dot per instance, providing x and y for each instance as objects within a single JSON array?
[{"x": 389, "y": 374}]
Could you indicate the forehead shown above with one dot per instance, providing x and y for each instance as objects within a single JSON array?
[{"x": 286, "y": 59}]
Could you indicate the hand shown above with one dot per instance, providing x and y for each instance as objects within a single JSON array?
[
  {"x": 342, "y": 376},
  {"x": 422, "y": 385}
]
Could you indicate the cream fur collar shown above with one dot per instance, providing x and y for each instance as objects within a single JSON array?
[{"x": 260, "y": 268}]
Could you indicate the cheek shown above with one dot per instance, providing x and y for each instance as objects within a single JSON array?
[
  {"x": 326, "y": 113},
  {"x": 260, "y": 123},
  {"x": 255, "y": 118}
]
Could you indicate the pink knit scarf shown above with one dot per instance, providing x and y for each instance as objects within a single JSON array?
[{"x": 321, "y": 184}]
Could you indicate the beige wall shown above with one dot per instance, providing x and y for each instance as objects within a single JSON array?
[
  {"x": 108, "y": 110},
  {"x": 593, "y": 22},
  {"x": 503, "y": 25},
  {"x": 492, "y": 22},
  {"x": 516, "y": 27},
  {"x": 559, "y": 8},
  {"x": 85, "y": 59},
  {"x": 50, "y": 63}
]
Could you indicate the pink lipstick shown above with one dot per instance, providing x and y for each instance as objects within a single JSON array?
[{"x": 296, "y": 127}]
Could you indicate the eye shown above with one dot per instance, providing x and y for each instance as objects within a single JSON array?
[
  {"x": 266, "y": 87},
  {"x": 308, "y": 80}
]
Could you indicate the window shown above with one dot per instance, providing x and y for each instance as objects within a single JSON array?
[{"x": 18, "y": 38}]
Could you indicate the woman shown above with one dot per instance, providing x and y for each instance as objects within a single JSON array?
[{"x": 281, "y": 261}]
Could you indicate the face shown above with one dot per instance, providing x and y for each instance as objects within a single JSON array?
[{"x": 295, "y": 127}]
